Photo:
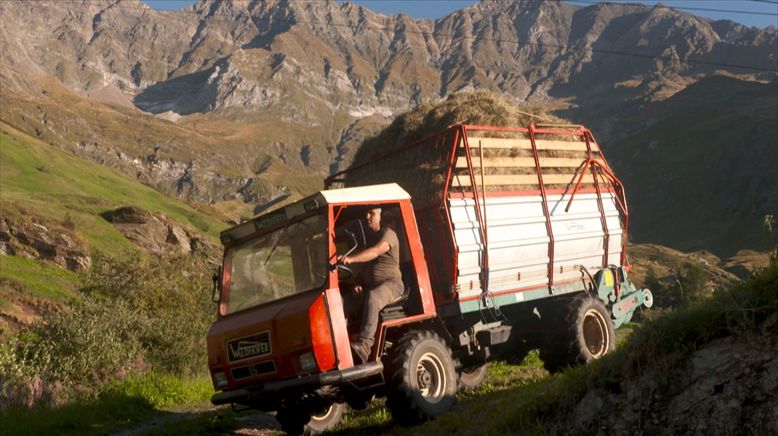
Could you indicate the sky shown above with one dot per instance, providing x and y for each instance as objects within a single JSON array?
[{"x": 758, "y": 13}]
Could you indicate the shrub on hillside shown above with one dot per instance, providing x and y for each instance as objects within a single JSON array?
[
  {"x": 172, "y": 295},
  {"x": 136, "y": 315}
]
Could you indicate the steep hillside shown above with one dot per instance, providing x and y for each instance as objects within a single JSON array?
[
  {"x": 700, "y": 167},
  {"x": 202, "y": 158},
  {"x": 51, "y": 223},
  {"x": 710, "y": 367}
]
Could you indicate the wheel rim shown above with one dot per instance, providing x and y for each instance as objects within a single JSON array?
[
  {"x": 431, "y": 377},
  {"x": 595, "y": 333},
  {"x": 323, "y": 416}
]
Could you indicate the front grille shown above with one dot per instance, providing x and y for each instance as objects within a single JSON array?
[
  {"x": 254, "y": 370},
  {"x": 250, "y": 346}
]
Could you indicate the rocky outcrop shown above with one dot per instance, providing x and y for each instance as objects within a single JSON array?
[
  {"x": 155, "y": 233},
  {"x": 51, "y": 242},
  {"x": 729, "y": 386}
]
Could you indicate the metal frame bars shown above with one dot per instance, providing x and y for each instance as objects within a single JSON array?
[
  {"x": 458, "y": 131},
  {"x": 618, "y": 190},
  {"x": 606, "y": 232},
  {"x": 544, "y": 202},
  {"x": 478, "y": 215}
]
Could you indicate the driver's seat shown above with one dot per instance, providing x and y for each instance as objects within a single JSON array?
[{"x": 396, "y": 309}]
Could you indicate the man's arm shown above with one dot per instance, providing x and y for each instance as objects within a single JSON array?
[{"x": 367, "y": 254}]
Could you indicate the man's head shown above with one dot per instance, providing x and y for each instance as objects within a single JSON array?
[{"x": 373, "y": 217}]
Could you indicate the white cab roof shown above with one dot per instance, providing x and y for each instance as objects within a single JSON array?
[{"x": 366, "y": 194}]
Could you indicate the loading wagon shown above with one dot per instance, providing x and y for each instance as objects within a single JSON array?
[{"x": 511, "y": 239}]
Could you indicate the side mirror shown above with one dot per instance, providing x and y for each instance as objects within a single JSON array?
[{"x": 217, "y": 280}]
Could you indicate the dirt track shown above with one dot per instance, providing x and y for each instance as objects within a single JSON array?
[{"x": 254, "y": 423}]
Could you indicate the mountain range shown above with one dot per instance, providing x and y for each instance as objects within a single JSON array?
[{"x": 246, "y": 104}]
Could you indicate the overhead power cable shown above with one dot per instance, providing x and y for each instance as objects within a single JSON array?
[
  {"x": 682, "y": 8},
  {"x": 560, "y": 46}
]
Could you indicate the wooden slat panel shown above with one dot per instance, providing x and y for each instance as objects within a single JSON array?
[
  {"x": 525, "y": 144},
  {"x": 519, "y": 179},
  {"x": 522, "y": 162},
  {"x": 563, "y": 145}
]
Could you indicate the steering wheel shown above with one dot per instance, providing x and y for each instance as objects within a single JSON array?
[{"x": 339, "y": 266}]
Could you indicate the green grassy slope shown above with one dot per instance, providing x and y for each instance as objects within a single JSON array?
[
  {"x": 41, "y": 182},
  {"x": 700, "y": 167},
  {"x": 267, "y": 150}
]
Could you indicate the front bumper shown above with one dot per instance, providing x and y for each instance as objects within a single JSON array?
[{"x": 248, "y": 394}]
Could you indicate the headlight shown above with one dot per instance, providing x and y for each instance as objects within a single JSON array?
[
  {"x": 219, "y": 380},
  {"x": 307, "y": 361}
]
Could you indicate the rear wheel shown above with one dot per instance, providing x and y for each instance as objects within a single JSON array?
[
  {"x": 421, "y": 379},
  {"x": 588, "y": 334},
  {"x": 474, "y": 377}
]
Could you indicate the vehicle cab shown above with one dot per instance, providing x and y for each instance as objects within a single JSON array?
[{"x": 282, "y": 332}]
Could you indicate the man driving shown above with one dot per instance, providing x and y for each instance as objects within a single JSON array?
[{"x": 381, "y": 278}]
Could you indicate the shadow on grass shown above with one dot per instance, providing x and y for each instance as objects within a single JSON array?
[
  {"x": 474, "y": 413},
  {"x": 104, "y": 414},
  {"x": 510, "y": 387}
]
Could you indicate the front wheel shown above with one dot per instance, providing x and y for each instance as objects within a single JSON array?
[
  {"x": 421, "y": 379},
  {"x": 326, "y": 420}
]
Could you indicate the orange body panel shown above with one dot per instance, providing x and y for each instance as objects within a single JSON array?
[{"x": 288, "y": 324}]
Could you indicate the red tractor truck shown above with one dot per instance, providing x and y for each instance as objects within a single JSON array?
[{"x": 511, "y": 239}]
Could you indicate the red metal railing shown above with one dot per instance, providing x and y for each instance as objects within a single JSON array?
[
  {"x": 457, "y": 133},
  {"x": 546, "y": 213},
  {"x": 480, "y": 215}
]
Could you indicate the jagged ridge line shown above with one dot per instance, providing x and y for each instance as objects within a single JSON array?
[
  {"x": 515, "y": 41},
  {"x": 736, "y": 11},
  {"x": 559, "y": 46},
  {"x": 684, "y": 8}
]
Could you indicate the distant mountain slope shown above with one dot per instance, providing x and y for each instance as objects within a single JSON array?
[
  {"x": 200, "y": 158},
  {"x": 51, "y": 193},
  {"x": 254, "y": 55},
  {"x": 701, "y": 168},
  {"x": 268, "y": 97}
]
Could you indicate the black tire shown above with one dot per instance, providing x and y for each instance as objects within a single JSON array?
[
  {"x": 471, "y": 378},
  {"x": 293, "y": 420},
  {"x": 359, "y": 402},
  {"x": 421, "y": 379},
  {"x": 588, "y": 334},
  {"x": 326, "y": 420}
]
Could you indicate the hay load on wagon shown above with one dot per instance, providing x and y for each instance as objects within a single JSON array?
[{"x": 425, "y": 151}]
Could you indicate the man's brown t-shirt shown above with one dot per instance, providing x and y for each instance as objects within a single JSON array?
[{"x": 386, "y": 266}]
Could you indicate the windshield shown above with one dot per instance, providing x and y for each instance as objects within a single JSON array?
[{"x": 289, "y": 260}]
